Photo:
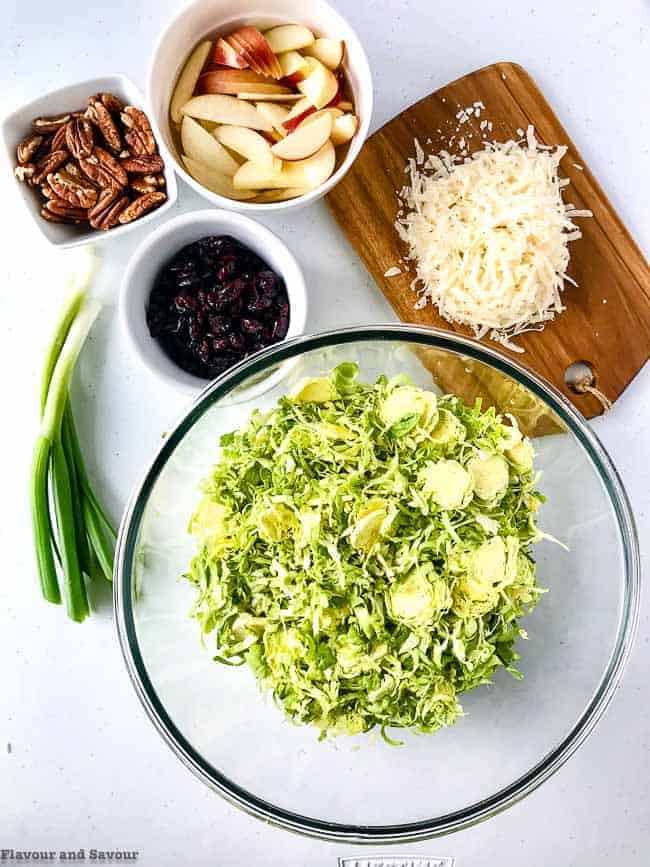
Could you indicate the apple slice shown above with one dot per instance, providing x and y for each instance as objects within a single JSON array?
[
  {"x": 313, "y": 171},
  {"x": 345, "y": 105},
  {"x": 288, "y": 37},
  {"x": 344, "y": 128},
  {"x": 321, "y": 85},
  {"x": 220, "y": 108},
  {"x": 202, "y": 147},
  {"x": 294, "y": 66},
  {"x": 275, "y": 114},
  {"x": 304, "y": 174},
  {"x": 270, "y": 97},
  {"x": 237, "y": 81},
  {"x": 248, "y": 143},
  {"x": 253, "y": 176},
  {"x": 306, "y": 140},
  {"x": 187, "y": 80},
  {"x": 226, "y": 55},
  {"x": 215, "y": 181},
  {"x": 255, "y": 48},
  {"x": 329, "y": 51},
  {"x": 298, "y": 113},
  {"x": 280, "y": 195},
  {"x": 332, "y": 112}
]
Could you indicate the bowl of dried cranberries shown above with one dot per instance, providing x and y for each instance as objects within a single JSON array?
[{"x": 205, "y": 291}]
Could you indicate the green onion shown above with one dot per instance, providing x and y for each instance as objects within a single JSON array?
[{"x": 69, "y": 524}]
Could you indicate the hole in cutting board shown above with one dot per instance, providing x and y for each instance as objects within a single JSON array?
[{"x": 579, "y": 376}]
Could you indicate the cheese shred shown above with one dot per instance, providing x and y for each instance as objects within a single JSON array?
[{"x": 489, "y": 236}]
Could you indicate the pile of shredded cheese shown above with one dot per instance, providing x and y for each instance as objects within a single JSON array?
[{"x": 489, "y": 235}]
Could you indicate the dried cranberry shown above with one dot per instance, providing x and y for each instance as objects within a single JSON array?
[
  {"x": 218, "y": 325},
  {"x": 195, "y": 330},
  {"x": 232, "y": 291},
  {"x": 281, "y": 327},
  {"x": 184, "y": 302},
  {"x": 227, "y": 268},
  {"x": 237, "y": 342},
  {"x": 251, "y": 326}
]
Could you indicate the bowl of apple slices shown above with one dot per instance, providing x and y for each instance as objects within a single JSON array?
[{"x": 260, "y": 107}]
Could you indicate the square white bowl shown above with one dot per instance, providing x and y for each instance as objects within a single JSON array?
[
  {"x": 18, "y": 124},
  {"x": 203, "y": 18}
]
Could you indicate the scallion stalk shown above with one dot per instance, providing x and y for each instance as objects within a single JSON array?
[{"x": 76, "y": 531}]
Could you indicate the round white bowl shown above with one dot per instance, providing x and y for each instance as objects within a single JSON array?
[
  {"x": 162, "y": 245},
  {"x": 205, "y": 17}
]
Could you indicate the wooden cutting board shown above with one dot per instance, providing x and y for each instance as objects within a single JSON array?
[{"x": 607, "y": 320}]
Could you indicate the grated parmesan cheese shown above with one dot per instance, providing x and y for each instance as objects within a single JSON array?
[{"x": 489, "y": 236}]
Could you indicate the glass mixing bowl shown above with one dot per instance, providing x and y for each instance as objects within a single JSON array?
[{"x": 514, "y": 735}]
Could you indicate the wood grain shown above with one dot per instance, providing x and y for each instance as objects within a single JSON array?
[{"x": 607, "y": 320}]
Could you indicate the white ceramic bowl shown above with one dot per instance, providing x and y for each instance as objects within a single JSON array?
[
  {"x": 162, "y": 244},
  {"x": 205, "y": 17},
  {"x": 18, "y": 124}
]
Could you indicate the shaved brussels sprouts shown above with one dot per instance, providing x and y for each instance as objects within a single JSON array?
[{"x": 366, "y": 550}]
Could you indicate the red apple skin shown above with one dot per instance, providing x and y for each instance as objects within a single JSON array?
[
  {"x": 290, "y": 125},
  {"x": 225, "y": 55},
  {"x": 259, "y": 50},
  {"x": 292, "y": 80},
  {"x": 338, "y": 96},
  {"x": 242, "y": 49},
  {"x": 225, "y": 80}
]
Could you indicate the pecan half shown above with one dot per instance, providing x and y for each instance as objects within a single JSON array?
[
  {"x": 79, "y": 137},
  {"x": 59, "y": 139},
  {"x": 51, "y": 217},
  {"x": 146, "y": 183},
  {"x": 107, "y": 211},
  {"x": 109, "y": 101},
  {"x": 50, "y": 124},
  {"x": 101, "y": 117},
  {"x": 25, "y": 173},
  {"x": 73, "y": 169},
  {"x": 103, "y": 169},
  {"x": 147, "y": 164},
  {"x": 139, "y": 137},
  {"x": 72, "y": 190},
  {"x": 142, "y": 205},
  {"x": 64, "y": 209},
  {"x": 47, "y": 192},
  {"x": 49, "y": 163},
  {"x": 28, "y": 147}
]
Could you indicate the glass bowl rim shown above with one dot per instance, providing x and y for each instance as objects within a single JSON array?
[{"x": 473, "y": 813}]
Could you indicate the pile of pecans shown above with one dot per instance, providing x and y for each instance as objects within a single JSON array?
[{"x": 100, "y": 166}]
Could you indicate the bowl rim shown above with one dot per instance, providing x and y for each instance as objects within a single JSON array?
[
  {"x": 252, "y": 208},
  {"x": 91, "y": 236},
  {"x": 231, "y": 222},
  {"x": 480, "y": 810}
]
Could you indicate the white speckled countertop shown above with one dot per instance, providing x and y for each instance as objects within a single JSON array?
[{"x": 80, "y": 764}]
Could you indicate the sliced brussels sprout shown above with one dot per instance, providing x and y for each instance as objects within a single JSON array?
[
  {"x": 449, "y": 428},
  {"x": 490, "y": 474},
  {"x": 318, "y": 389},
  {"x": 405, "y": 401},
  {"x": 447, "y": 482},
  {"x": 372, "y": 520},
  {"x": 522, "y": 455},
  {"x": 210, "y": 524},
  {"x": 418, "y": 599},
  {"x": 276, "y": 522}
]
